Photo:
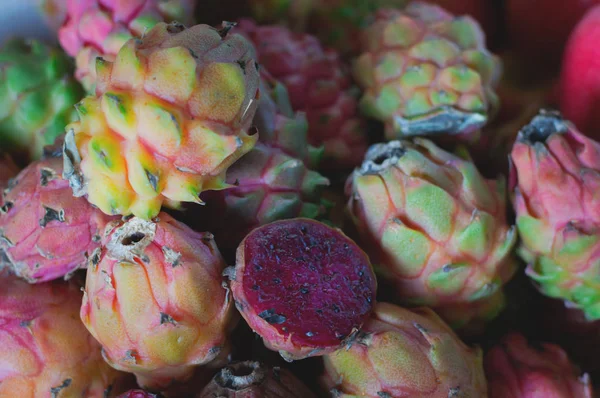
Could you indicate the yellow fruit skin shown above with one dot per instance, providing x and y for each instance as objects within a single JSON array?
[{"x": 169, "y": 116}]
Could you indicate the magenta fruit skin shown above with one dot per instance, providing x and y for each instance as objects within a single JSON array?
[{"x": 304, "y": 287}]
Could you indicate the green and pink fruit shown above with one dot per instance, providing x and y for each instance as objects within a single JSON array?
[
  {"x": 304, "y": 287},
  {"x": 405, "y": 353},
  {"x": 435, "y": 227},
  {"x": 319, "y": 85},
  {"x": 37, "y": 94},
  {"x": 46, "y": 351},
  {"x": 555, "y": 179},
  {"x": 170, "y": 115},
  {"x": 99, "y": 28},
  {"x": 252, "y": 379},
  {"x": 426, "y": 72},
  {"x": 173, "y": 310},
  {"x": 45, "y": 232},
  {"x": 273, "y": 181},
  {"x": 516, "y": 369}
]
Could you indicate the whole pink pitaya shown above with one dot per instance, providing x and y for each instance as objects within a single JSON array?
[
  {"x": 515, "y": 369},
  {"x": 555, "y": 180},
  {"x": 251, "y": 379},
  {"x": 173, "y": 310},
  {"x": 99, "y": 28},
  {"x": 46, "y": 351},
  {"x": 304, "y": 287},
  {"x": 318, "y": 84},
  {"x": 45, "y": 232}
]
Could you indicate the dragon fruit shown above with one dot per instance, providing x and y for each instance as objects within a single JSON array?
[
  {"x": 515, "y": 369},
  {"x": 555, "y": 179},
  {"x": 272, "y": 182},
  {"x": 46, "y": 351},
  {"x": 436, "y": 228},
  {"x": 171, "y": 114},
  {"x": 426, "y": 72},
  {"x": 99, "y": 28},
  {"x": 318, "y": 85},
  {"x": 37, "y": 94},
  {"x": 303, "y": 286},
  {"x": 45, "y": 232},
  {"x": 173, "y": 310},
  {"x": 252, "y": 379},
  {"x": 405, "y": 353}
]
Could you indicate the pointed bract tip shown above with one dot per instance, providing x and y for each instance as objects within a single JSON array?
[
  {"x": 380, "y": 157},
  {"x": 546, "y": 123}
]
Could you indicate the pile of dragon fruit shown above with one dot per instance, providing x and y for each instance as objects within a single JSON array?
[{"x": 301, "y": 198}]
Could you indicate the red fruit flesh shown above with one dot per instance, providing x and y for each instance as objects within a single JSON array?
[
  {"x": 580, "y": 79},
  {"x": 303, "y": 286}
]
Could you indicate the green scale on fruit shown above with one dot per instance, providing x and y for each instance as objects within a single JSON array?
[{"x": 37, "y": 94}]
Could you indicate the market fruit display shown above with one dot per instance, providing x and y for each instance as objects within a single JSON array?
[
  {"x": 555, "y": 184},
  {"x": 170, "y": 115},
  {"x": 426, "y": 72},
  {"x": 319, "y": 85},
  {"x": 516, "y": 369},
  {"x": 406, "y": 353},
  {"x": 99, "y": 28},
  {"x": 311, "y": 296},
  {"x": 46, "y": 350},
  {"x": 37, "y": 94},
  {"x": 299, "y": 198},
  {"x": 251, "y": 379},
  {"x": 173, "y": 312},
  {"x": 435, "y": 228},
  {"x": 45, "y": 232}
]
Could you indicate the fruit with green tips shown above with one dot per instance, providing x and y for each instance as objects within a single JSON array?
[
  {"x": 555, "y": 181},
  {"x": 170, "y": 115},
  {"x": 426, "y": 72},
  {"x": 435, "y": 228},
  {"x": 37, "y": 94}
]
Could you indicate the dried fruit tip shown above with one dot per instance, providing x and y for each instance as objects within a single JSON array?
[{"x": 545, "y": 124}]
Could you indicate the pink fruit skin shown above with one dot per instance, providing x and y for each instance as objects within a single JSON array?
[
  {"x": 314, "y": 292},
  {"x": 318, "y": 84},
  {"x": 137, "y": 394},
  {"x": 45, "y": 347},
  {"x": 45, "y": 232},
  {"x": 580, "y": 79},
  {"x": 154, "y": 298},
  {"x": 515, "y": 369}
]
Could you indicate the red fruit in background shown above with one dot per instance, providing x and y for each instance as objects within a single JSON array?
[
  {"x": 540, "y": 28},
  {"x": 580, "y": 80}
]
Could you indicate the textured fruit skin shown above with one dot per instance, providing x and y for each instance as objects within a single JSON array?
[
  {"x": 37, "y": 94},
  {"x": 173, "y": 311},
  {"x": 255, "y": 380},
  {"x": 405, "y": 353},
  {"x": 318, "y": 85},
  {"x": 46, "y": 351},
  {"x": 170, "y": 115},
  {"x": 539, "y": 29},
  {"x": 99, "y": 28},
  {"x": 427, "y": 72},
  {"x": 304, "y": 287},
  {"x": 434, "y": 226},
  {"x": 138, "y": 394},
  {"x": 555, "y": 182},
  {"x": 45, "y": 232},
  {"x": 273, "y": 181},
  {"x": 515, "y": 369},
  {"x": 580, "y": 79}
]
